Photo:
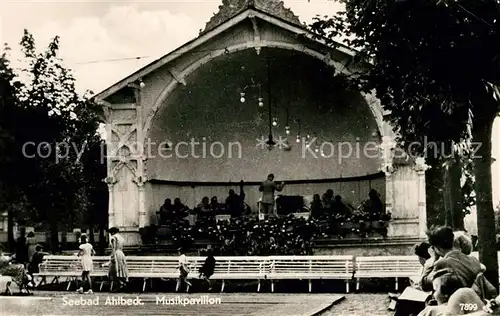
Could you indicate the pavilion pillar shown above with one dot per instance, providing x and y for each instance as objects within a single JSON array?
[
  {"x": 420, "y": 167},
  {"x": 110, "y": 181},
  {"x": 387, "y": 147},
  {"x": 126, "y": 171},
  {"x": 141, "y": 181}
]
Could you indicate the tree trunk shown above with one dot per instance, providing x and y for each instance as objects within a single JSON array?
[
  {"x": 447, "y": 197},
  {"x": 482, "y": 133},
  {"x": 102, "y": 240},
  {"x": 54, "y": 235},
  {"x": 10, "y": 229},
  {"x": 434, "y": 198},
  {"x": 457, "y": 210}
]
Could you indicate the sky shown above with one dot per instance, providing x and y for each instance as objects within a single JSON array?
[{"x": 101, "y": 40}]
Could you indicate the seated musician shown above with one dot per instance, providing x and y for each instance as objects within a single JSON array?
[
  {"x": 165, "y": 212},
  {"x": 215, "y": 205},
  {"x": 179, "y": 210},
  {"x": 204, "y": 211},
  {"x": 328, "y": 198},
  {"x": 376, "y": 205},
  {"x": 317, "y": 210},
  {"x": 235, "y": 204},
  {"x": 339, "y": 208}
]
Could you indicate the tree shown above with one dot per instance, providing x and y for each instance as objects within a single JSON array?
[
  {"x": 435, "y": 66},
  {"x": 10, "y": 194},
  {"x": 62, "y": 125}
]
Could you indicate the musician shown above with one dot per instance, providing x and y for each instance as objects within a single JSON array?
[{"x": 268, "y": 188}]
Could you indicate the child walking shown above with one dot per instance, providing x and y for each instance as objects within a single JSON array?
[{"x": 86, "y": 253}]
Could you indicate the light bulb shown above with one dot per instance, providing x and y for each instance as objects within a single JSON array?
[
  {"x": 242, "y": 97},
  {"x": 261, "y": 103},
  {"x": 242, "y": 100},
  {"x": 298, "y": 138},
  {"x": 142, "y": 85},
  {"x": 287, "y": 132},
  {"x": 275, "y": 123},
  {"x": 316, "y": 150}
]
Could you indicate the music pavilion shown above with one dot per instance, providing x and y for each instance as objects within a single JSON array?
[{"x": 253, "y": 94}]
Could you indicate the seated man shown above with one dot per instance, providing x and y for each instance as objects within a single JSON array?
[
  {"x": 235, "y": 204},
  {"x": 215, "y": 205},
  {"x": 179, "y": 210},
  {"x": 317, "y": 210},
  {"x": 165, "y": 213},
  {"x": 377, "y": 206},
  {"x": 328, "y": 199},
  {"x": 339, "y": 208},
  {"x": 444, "y": 256},
  {"x": 203, "y": 209}
]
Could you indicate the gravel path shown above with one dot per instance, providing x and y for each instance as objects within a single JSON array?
[{"x": 362, "y": 305}]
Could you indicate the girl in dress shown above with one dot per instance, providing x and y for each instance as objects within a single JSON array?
[
  {"x": 118, "y": 271},
  {"x": 31, "y": 245},
  {"x": 86, "y": 253}
]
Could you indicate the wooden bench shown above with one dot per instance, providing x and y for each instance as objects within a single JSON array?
[
  {"x": 234, "y": 268},
  {"x": 152, "y": 267},
  {"x": 386, "y": 267},
  {"x": 311, "y": 268},
  {"x": 69, "y": 267}
]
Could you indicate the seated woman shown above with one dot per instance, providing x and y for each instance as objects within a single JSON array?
[
  {"x": 16, "y": 271},
  {"x": 36, "y": 260},
  {"x": 462, "y": 242},
  {"x": 422, "y": 252}
]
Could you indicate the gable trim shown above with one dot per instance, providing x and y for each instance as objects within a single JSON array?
[
  {"x": 249, "y": 13},
  {"x": 372, "y": 104}
]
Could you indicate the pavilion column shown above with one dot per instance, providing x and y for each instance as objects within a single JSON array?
[
  {"x": 420, "y": 167},
  {"x": 387, "y": 147},
  {"x": 110, "y": 181},
  {"x": 141, "y": 181}
]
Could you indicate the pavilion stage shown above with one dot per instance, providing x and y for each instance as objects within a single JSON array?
[{"x": 191, "y": 124}]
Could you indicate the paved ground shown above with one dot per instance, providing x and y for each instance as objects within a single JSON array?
[
  {"x": 50, "y": 303},
  {"x": 362, "y": 305}
]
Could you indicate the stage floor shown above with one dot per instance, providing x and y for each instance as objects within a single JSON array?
[{"x": 196, "y": 304}]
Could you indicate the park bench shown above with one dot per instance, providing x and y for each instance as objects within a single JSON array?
[
  {"x": 311, "y": 268},
  {"x": 234, "y": 268},
  {"x": 386, "y": 267},
  {"x": 152, "y": 267},
  {"x": 68, "y": 267}
]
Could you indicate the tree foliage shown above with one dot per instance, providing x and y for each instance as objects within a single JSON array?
[
  {"x": 52, "y": 141},
  {"x": 435, "y": 65}
]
